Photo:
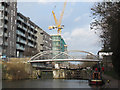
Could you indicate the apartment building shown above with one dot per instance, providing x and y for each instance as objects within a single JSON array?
[
  {"x": 19, "y": 36},
  {"x": 30, "y": 38},
  {"x": 8, "y": 15},
  {"x": 44, "y": 40},
  {"x": 25, "y": 36}
]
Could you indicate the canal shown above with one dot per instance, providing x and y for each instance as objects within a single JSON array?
[{"x": 46, "y": 83}]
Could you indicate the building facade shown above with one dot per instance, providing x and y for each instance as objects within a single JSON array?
[
  {"x": 58, "y": 43},
  {"x": 30, "y": 38},
  {"x": 25, "y": 36},
  {"x": 19, "y": 36},
  {"x": 8, "y": 15},
  {"x": 44, "y": 41}
]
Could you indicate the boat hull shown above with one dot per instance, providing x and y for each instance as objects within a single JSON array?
[{"x": 96, "y": 82}]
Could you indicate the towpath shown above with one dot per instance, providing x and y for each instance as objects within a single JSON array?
[{"x": 114, "y": 83}]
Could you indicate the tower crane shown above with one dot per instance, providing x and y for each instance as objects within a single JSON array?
[{"x": 58, "y": 25}]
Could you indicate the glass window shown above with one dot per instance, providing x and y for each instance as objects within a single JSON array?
[{"x": 1, "y": 23}]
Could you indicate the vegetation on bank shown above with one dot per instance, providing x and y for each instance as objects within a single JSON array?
[
  {"x": 106, "y": 20},
  {"x": 17, "y": 69}
]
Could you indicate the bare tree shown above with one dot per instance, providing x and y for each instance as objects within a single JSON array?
[
  {"x": 106, "y": 17},
  {"x": 30, "y": 51}
]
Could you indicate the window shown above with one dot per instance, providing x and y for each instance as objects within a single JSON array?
[
  {"x": 15, "y": 21},
  {"x": 10, "y": 43},
  {"x": 12, "y": 12},
  {"x": 1, "y": 32},
  {"x": 1, "y": 41},
  {"x": 14, "y": 6},
  {"x": 11, "y": 27},
  {"x": 9, "y": 34},
  {"x": 11, "y": 19},
  {"x": 1, "y": 23},
  {"x": 0, "y": 50}
]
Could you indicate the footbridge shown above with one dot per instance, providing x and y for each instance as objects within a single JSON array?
[
  {"x": 71, "y": 55},
  {"x": 57, "y": 63}
]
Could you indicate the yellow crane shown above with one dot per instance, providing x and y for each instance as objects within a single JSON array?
[{"x": 58, "y": 25}]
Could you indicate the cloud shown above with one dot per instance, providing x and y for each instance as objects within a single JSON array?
[
  {"x": 55, "y": 0},
  {"x": 73, "y": 3},
  {"x": 81, "y": 17},
  {"x": 44, "y": 2},
  {"x": 67, "y": 13},
  {"x": 77, "y": 19},
  {"x": 82, "y": 39}
]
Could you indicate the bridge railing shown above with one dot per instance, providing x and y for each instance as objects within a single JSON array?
[{"x": 72, "y": 54}]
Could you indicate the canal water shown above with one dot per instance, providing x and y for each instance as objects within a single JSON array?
[{"x": 46, "y": 83}]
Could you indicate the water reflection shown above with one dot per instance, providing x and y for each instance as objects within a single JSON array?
[{"x": 46, "y": 83}]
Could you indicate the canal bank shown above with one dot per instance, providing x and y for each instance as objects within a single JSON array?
[
  {"x": 0, "y": 75},
  {"x": 110, "y": 82},
  {"x": 19, "y": 69}
]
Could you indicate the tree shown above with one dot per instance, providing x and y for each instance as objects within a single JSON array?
[
  {"x": 106, "y": 22},
  {"x": 30, "y": 51}
]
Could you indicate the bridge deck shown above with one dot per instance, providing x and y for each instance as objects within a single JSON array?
[{"x": 53, "y": 60}]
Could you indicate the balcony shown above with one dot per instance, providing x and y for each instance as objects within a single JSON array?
[
  {"x": 20, "y": 47},
  {"x": 29, "y": 38},
  {"x": 1, "y": 16},
  {"x": 28, "y": 24},
  {"x": 22, "y": 20},
  {"x": 41, "y": 32},
  {"x": 56, "y": 40},
  {"x": 30, "y": 44},
  {"x": 20, "y": 26},
  {"x": 5, "y": 26},
  {"x": 30, "y": 32},
  {"x": 32, "y": 27},
  {"x": 6, "y": 10},
  {"x": 18, "y": 39},
  {"x": 6, "y": 43},
  {"x": 1, "y": 23},
  {"x": 1, "y": 33},
  {"x": 1, "y": 7},
  {"x": 57, "y": 45},
  {"x": 24, "y": 28},
  {"x": 33, "y": 39},
  {"x": 6, "y": 17},
  {"x": 20, "y": 33},
  {"x": 5, "y": 34},
  {"x": 23, "y": 41}
]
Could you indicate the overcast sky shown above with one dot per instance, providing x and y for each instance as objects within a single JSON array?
[{"x": 76, "y": 19}]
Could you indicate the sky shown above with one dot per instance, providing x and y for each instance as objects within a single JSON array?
[{"x": 76, "y": 21}]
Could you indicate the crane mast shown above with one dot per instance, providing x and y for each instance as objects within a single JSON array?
[
  {"x": 58, "y": 25},
  {"x": 56, "y": 22}
]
